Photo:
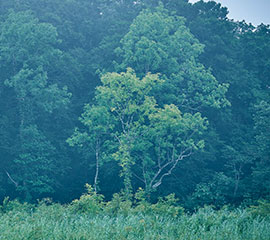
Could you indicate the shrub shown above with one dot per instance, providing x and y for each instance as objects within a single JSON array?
[
  {"x": 90, "y": 202},
  {"x": 14, "y": 205},
  {"x": 118, "y": 205},
  {"x": 262, "y": 209},
  {"x": 167, "y": 206}
]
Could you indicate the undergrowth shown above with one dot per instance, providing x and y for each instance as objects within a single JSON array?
[{"x": 90, "y": 218}]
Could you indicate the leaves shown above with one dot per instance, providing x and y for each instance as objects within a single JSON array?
[{"x": 127, "y": 115}]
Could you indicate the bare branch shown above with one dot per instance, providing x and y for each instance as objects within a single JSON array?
[
  {"x": 118, "y": 139},
  {"x": 175, "y": 162},
  {"x": 11, "y": 179},
  {"x": 97, "y": 164},
  {"x": 143, "y": 180},
  {"x": 159, "y": 171}
]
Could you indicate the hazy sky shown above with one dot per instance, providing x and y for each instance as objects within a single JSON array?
[{"x": 252, "y": 11}]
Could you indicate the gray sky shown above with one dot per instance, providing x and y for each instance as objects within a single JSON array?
[{"x": 252, "y": 11}]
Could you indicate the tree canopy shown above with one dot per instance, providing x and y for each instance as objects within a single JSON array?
[{"x": 165, "y": 95}]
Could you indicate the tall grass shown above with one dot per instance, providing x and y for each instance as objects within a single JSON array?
[{"x": 120, "y": 220}]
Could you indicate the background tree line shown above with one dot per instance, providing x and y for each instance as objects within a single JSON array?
[{"x": 168, "y": 96}]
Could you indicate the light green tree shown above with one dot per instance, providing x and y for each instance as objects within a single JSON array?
[
  {"x": 148, "y": 141},
  {"x": 158, "y": 42}
]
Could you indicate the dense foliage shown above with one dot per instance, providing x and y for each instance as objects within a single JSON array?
[{"x": 164, "y": 95}]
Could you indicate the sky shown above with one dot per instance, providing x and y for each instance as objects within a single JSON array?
[{"x": 252, "y": 11}]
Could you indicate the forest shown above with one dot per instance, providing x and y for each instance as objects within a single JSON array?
[{"x": 165, "y": 96}]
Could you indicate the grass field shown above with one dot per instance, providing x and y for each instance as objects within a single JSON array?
[
  {"x": 91, "y": 218},
  {"x": 55, "y": 221}
]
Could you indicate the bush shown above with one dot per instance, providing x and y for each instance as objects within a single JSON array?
[
  {"x": 15, "y": 205},
  {"x": 262, "y": 209},
  {"x": 90, "y": 202},
  {"x": 119, "y": 205},
  {"x": 167, "y": 206}
]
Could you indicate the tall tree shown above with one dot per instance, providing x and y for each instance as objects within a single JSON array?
[
  {"x": 160, "y": 43},
  {"x": 27, "y": 49},
  {"x": 261, "y": 172},
  {"x": 147, "y": 141}
]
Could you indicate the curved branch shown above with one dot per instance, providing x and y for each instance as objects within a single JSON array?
[
  {"x": 11, "y": 179},
  {"x": 175, "y": 162}
]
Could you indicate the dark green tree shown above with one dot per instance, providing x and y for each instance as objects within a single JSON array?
[
  {"x": 261, "y": 172},
  {"x": 27, "y": 49}
]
